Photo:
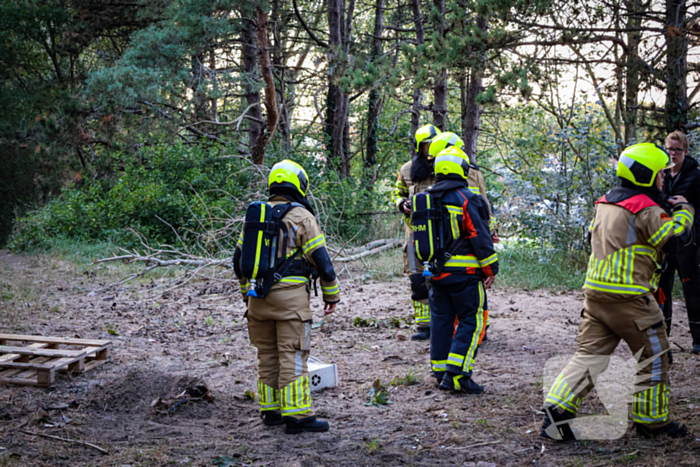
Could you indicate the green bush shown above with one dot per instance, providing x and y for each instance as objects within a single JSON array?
[
  {"x": 175, "y": 194},
  {"x": 166, "y": 189}
]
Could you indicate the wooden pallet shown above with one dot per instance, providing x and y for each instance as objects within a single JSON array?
[{"x": 36, "y": 364}]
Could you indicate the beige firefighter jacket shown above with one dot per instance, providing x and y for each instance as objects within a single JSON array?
[{"x": 627, "y": 253}]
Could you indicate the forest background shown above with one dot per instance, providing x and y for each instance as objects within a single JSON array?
[{"x": 132, "y": 122}]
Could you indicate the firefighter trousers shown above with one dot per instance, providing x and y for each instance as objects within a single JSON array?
[
  {"x": 640, "y": 323},
  {"x": 687, "y": 263},
  {"x": 419, "y": 289},
  {"x": 459, "y": 296},
  {"x": 279, "y": 327}
]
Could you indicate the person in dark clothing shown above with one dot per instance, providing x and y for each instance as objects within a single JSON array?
[
  {"x": 468, "y": 266},
  {"x": 683, "y": 179}
]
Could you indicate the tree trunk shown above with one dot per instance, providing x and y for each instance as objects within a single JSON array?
[
  {"x": 417, "y": 93},
  {"x": 337, "y": 102},
  {"x": 676, "y": 65},
  {"x": 440, "y": 84},
  {"x": 279, "y": 63},
  {"x": 198, "y": 93},
  {"x": 213, "y": 101},
  {"x": 375, "y": 95},
  {"x": 472, "y": 113},
  {"x": 252, "y": 94},
  {"x": 270, "y": 100},
  {"x": 634, "y": 38}
]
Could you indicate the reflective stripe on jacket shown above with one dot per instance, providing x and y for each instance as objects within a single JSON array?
[{"x": 627, "y": 241}]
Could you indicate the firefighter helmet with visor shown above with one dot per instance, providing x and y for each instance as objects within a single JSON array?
[
  {"x": 425, "y": 134},
  {"x": 443, "y": 141},
  {"x": 289, "y": 173},
  {"x": 452, "y": 161},
  {"x": 640, "y": 163}
]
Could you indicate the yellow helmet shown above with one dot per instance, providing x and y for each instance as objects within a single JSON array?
[
  {"x": 640, "y": 163},
  {"x": 289, "y": 172},
  {"x": 425, "y": 134},
  {"x": 451, "y": 161},
  {"x": 444, "y": 141}
]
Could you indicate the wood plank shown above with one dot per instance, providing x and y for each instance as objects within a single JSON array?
[
  {"x": 21, "y": 373},
  {"x": 22, "y": 382},
  {"x": 89, "y": 365},
  {"x": 10, "y": 357},
  {"x": 42, "y": 352},
  {"x": 53, "y": 340},
  {"x": 26, "y": 366}
]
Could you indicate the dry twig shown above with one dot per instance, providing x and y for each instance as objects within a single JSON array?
[{"x": 67, "y": 440}]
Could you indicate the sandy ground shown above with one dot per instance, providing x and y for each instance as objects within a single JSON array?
[{"x": 168, "y": 342}]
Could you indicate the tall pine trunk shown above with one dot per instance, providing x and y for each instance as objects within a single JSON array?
[
  {"x": 417, "y": 93},
  {"x": 440, "y": 84},
  {"x": 375, "y": 94},
  {"x": 337, "y": 101},
  {"x": 272, "y": 116},
  {"x": 250, "y": 73},
  {"x": 279, "y": 63},
  {"x": 472, "y": 113},
  {"x": 676, "y": 65},
  {"x": 633, "y": 65}
]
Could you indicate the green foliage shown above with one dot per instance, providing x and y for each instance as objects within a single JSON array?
[
  {"x": 191, "y": 195},
  {"x": 373, "y": 446},
  {"x": 409, "y": 379},
  {"x": 553, "y": 172},
  {"x": 169, "y": 188},
  {"x": 528, "y": 266},
  {"x": 378, "y": 396}
]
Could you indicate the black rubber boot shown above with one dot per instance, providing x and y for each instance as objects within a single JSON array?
[
  {"x": 272, "y": 418},
  {"x": 310, "y": 424},
  {"x": 696, "y": 349},
  {"x": 423, "y": 333},
  {"x": 460, "y": 383},
  {"x": 553, "y": 428},
  {"x": 673, "y": 429}
]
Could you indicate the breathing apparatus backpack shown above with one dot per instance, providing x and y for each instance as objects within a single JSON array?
[
  {"x": 261, "y": 229},
  {"x": 429, "y": 240}
]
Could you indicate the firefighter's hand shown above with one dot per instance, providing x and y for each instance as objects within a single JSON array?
[
  {"x": 407, "y": 208},
  {"x": 489, "y": 282},
  {"x": 677, "y": 200},
  {"x": 329, "y": 308},
  {"x": 495, "y": 238}
]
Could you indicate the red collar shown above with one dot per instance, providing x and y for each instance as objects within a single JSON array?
[{"x": 634, "y": 204}]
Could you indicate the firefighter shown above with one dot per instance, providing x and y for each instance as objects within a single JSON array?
[
  {"x": 683, "y": 179},
  {"x": 279, "y": 325},
  {"x": 462, "y": 272},
  {"x": 414, "y": 177},
  {"x": 630, "y": 235},
  {"x": 477, "y": 185},
  {"x": 476, "y": 181}
]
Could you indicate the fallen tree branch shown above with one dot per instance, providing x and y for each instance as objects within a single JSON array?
[
  {"x": 362, "y": 249},
  {"x": 67, "y": 440},
  {"x": 168, "y": 257},
  {"x": 374, "y": 251}
]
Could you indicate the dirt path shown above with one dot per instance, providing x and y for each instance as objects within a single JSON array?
[{"x": 167, "y": 342}]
